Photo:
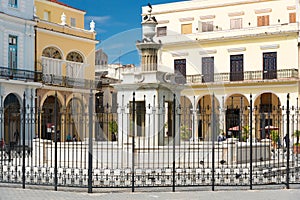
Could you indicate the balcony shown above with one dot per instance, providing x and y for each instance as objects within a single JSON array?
[
  {"x": 248, "y": 76},
  {"x": 20, "y": 74},
  {"x": 68, "y": 82},
  {"x": 175, "y": 38}
]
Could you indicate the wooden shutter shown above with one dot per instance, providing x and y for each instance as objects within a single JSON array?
[
  {"x": 260, "y": 21},
  {"x": 266, "y": 20},
  {"x": 292, "y": 17},
  {"x": 263, "y": 20},
  {"x": 186, "y": 28}
]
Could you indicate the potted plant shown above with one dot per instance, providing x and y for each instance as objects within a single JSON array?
[
  {"x": 274, "y": 137},
  {"x": 296, "y": 146}
]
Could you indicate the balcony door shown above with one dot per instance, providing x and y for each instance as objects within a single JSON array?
[
  {"x": 207, "y": 69},
  {"x": 270, "y": 65},
  {"x": 180, "y": 71},
  {"x": 12, "y": 52},
  {"x": 237, "y": 67}
]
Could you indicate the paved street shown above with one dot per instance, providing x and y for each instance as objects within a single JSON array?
[{"x": 8, "y": 192}]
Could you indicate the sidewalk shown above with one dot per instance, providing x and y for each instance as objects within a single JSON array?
[{"x": 38, "y": 194}]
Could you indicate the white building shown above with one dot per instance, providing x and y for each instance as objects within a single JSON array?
[
  {"x": 17, "y": 76},
  {"x": 232, "y": 48}
]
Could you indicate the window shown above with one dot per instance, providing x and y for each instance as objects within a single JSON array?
[
  {"x": 236, "y": 23},
  {"x": 207, "y": 26},
  {"x": 180, "y": 70},
  {"x": 161, "y": 31},
  {"x": 237, "y": 67},
  {"x": 186, "y": 28},
  {"x": 207, "y": 69},
  {"x": 52, "y": 52},
  {"x": 12, "y": 51},
  {"x": 73, "y": 22},
  {"x": 270, "y": 65},
  {"x": 292, "y": 17},
  {"x": 13, "y": 3},
  {"x": 47, "y": 15},
  {"x": 263, "y": 20},
  {"x": 75, "y": 67}
]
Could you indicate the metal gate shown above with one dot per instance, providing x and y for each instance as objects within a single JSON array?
[{"x": 115, "y": 147}]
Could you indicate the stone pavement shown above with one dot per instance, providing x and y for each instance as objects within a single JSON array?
[{"x": 17, "y": 193}]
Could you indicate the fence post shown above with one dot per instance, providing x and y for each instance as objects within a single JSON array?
[
  {"x": 288, "y": 141},
  {"x": 23, "y": 130},
  {"x": 174, "y": 132},
  {"x": 213, "y": 141},
  {"x": 55, "y": 138},
  {"x": 133, "y": 140},
  {"x": 90, "y": 167},
  {"x": 251, "y": 147}
]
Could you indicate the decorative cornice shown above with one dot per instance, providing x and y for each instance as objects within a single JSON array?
[
  {"x": 261, "y": 11},
  {"x": 163, "y": 21},
  {"x": 66, "y": 35},
  {"x": 179, "y": 54},
  {"x": 239, "y": 49},
  {"x": 205, "y": 52},
  {"x": 207, "y": 17},
  {"x": 291, "y": 7},
  {"x": 234, "y": 14},
  {"x": 270, "y": 46},
  {"x": 186, "y": 19},
  {"x": 191, "y": 8}
]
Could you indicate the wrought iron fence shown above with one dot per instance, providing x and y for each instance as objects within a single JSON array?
[
  {"x": 244, "y": 76},
  {"x": 20, "y": 74},
  {"x": 140, "y": 145}
]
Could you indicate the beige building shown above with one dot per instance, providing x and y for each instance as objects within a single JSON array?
[{"x": 232, "y": 49}]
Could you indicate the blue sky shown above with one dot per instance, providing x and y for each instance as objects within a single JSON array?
[{"x": 118, "y": 25}]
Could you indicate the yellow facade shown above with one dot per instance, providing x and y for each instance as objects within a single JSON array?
[
  {"x": 54, "y": 11},
  {"x": 65, "y": 54}
]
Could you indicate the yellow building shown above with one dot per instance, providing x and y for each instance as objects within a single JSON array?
[
  {"x": 65, "y": 53},
  {"x": 232, "y": 49}
]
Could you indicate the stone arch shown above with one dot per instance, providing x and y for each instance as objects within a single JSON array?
[
  {"x": 204, "y": 117},
  {"x": 52, "y": 52},
  {"x": 75, "y": 118},
  {"x": 267, "y": 112},
  {"x": 237, "y": 116},
  {"x": 49, "y": 116},
  {"x": 12, "y": 119}
]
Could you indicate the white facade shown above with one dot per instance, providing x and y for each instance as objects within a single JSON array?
[
  {"x": 17, "y": 41},
  {"x": 262, "y": 35}
]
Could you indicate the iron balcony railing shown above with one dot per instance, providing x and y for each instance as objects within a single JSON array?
[
  {"x": 244, "y": 76},
  {"x": 20, "y": 74},
  {"x": 64, "y": 81}
]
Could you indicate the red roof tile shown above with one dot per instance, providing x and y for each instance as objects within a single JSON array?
[{"x": 63, "y": 4}]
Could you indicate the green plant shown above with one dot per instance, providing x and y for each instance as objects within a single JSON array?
[
  {"x": 297, "y": 135},
  {"x": 245, "y": 133},
  {"x": 185, "y": 132},
  {"x": 274, "y": 135},
  {"x": 113, "y": 126}
]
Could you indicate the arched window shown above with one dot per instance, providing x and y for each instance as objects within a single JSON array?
[
  {"x": 52, "y": 52},
  {"x": 74, "y": 57}
]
